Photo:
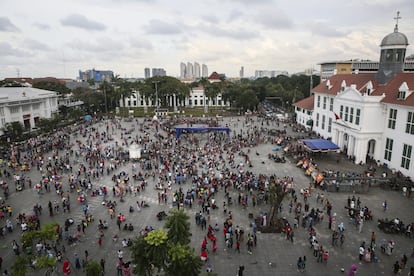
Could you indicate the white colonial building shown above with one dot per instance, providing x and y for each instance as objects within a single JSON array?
[
  {"x": 26, "y": 105},
  {"x": 196, "y": 98},
  {"x": 371, "y": 115}
]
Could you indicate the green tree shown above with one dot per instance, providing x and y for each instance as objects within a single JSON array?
[
  {"x": 46, "y": 234},
  {"x": 14, "y": 130},
  {"x": 92, "y": 268},
  {"x": 247, "y": 100},
  {"x": 56, "y": 86},
  {"x": 183, "y": 261},
  {"x": 20, "y": 265},
  {"x": 142, "y": 262},
  {"x": 166, "y": 87},
  {"x": 276, "y": 196},
  {"x": 167, "y": 251},
  {"x": 178, "y": 226}
]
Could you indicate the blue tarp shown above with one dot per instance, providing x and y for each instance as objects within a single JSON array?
[
  {"x": 319, "y": 145},
  {"x": 179, "y": 130}
]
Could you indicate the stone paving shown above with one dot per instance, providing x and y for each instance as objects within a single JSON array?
[{"x": 274, "y": 255}]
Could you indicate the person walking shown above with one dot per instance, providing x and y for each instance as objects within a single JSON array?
[
  {"x": 299, "y": 264},
  {"x": 396, "y": 268},
  {"x": 384, "y": 205},
  {"x": 102, "y": 262},
  {"x": 353, "y": 270},
  {"x": 373, "y": 238}
]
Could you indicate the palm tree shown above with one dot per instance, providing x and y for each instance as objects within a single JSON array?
[{"x": 178, "y": 226}]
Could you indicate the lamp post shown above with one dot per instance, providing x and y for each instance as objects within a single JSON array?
[
  {"x": 106, "y": 104},
  {"x": 156, "y": 96}
]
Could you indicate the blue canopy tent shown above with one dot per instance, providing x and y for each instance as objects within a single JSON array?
[
  {"x": 179, "y": 130},
  {"x": 319, "y": 145}
]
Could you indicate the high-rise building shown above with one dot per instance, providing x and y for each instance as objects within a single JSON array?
[
  {"x": 158, "y": 72},
  {"x": 204, "y": 71},
  {"x": 190, "y": 70},
  {"x": 242, "y": 72},
  {"x": 197, "y": 73},
  {"x": 96, "y": 75},
  {"x": 147, "y": 73},
  {"x": 183, "y": 70}
]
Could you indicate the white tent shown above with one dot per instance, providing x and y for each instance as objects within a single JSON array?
[{"x": 134, "y": 151}]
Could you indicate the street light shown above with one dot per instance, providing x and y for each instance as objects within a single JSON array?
[
  {"x": 156, "y": 97},
  {"x": 106, "y": 104}
]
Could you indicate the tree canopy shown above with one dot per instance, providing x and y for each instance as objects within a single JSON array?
[{"x": 167, "y": 251}]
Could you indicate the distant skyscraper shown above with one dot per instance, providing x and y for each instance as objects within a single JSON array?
[
  {"x": 242, "y": 72},
  {"x": 147, "y": 73},
  {"x": 183, "y": 70},
  {"x": 158, "y": 72},
  {"x": 204, "y": 71},
  {"x": 190, "y": 70},
  {"x": 96, "y": 75},
  {"x": 197, "y": 73}
]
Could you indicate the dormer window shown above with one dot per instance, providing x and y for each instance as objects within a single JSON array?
[
  {"x": 343, "y": 86},
  {"x": 369, "y": 88},
  {"x": 401, "y": 95},
  {"x": 403, "y": 91}
]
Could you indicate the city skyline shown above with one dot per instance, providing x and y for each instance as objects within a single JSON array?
[{"x": 127, "y": 36}]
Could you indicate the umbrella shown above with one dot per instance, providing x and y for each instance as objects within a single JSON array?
[{"x": 88, "y": 117}]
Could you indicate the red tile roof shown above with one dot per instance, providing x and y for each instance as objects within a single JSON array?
[
  {"x": 392, "y": 87},
  {"x": 306, "y": 103},
  {"x": 360, "y": 80},
  {"x": 19, "y": 80},
  {"x": 214, "y": 76}
]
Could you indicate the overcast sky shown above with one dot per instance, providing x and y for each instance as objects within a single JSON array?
[{"x": 60, "y": 37}]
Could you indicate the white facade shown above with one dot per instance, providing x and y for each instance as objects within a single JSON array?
[
  {"x": 196, "y": 99},
  {"x": 303, "y": 116},
  {"x": 26, "y": 105},
  {"x": 368, "y": 126}
]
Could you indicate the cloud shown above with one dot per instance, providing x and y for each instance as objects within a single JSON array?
[
  {"x": 103, "y": 44},
  {"x": 273, "y": 19},
  {"x": 234, "y": 15},
  {"x": 42, "y": 26},
  {"x": 35, "y": 45},
  {"x": 238, "y": 34},
  {"x": 210, "y": 18},
  {"x": 156, "y": 26},
  {"x": 7, "y": 26},
  {"x": 141, "y": 43},
  {"x": 80, "y": 21},
  {"x": 324, "y": 29},
  {"x": 7, "y": 50},
  {"x": 250, "y": 2}
]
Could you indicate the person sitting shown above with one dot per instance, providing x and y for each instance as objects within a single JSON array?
[
  {"x": 126, "y": 226},
  {"x": 130, "y": 227},
  {"x": 124, "y": 243},
  {"x": 131, "y": 209}
]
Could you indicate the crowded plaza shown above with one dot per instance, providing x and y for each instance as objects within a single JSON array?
[{"x": 84, "y": 178}]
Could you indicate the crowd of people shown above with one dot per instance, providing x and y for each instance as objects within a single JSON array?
[{"x": 191, "y": 172}]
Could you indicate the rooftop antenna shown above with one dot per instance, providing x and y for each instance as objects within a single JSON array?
[{"x": 396, "y": 21}]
